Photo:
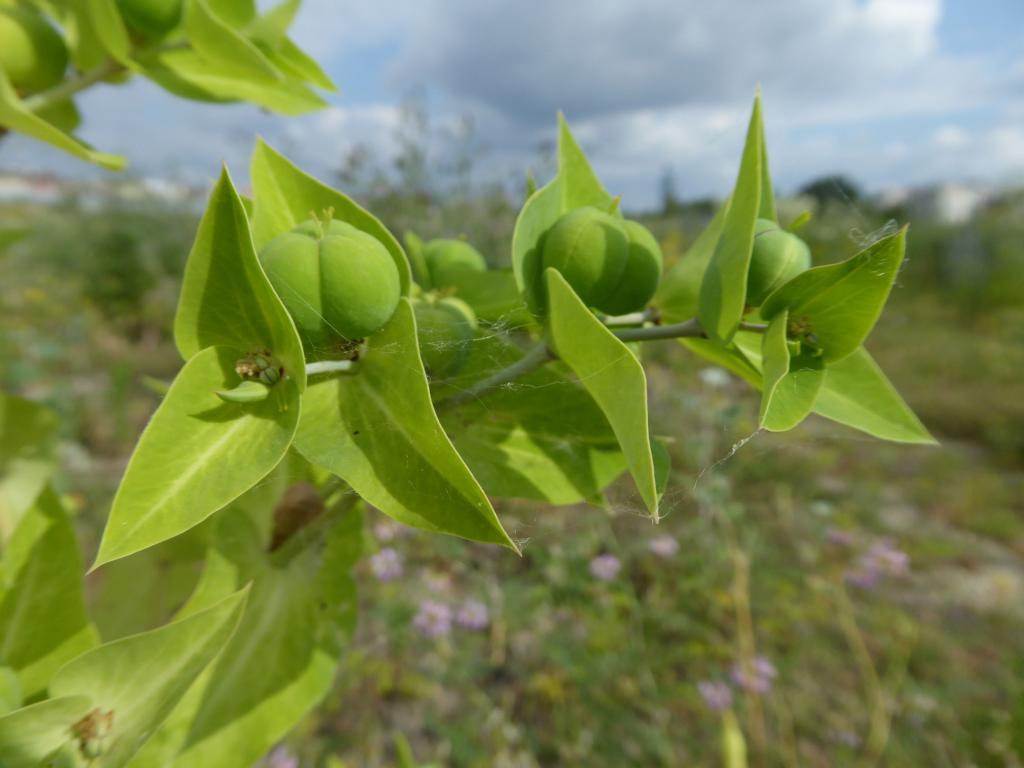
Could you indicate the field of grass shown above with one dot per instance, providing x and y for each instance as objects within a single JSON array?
[{"x": 876, "y": 591}]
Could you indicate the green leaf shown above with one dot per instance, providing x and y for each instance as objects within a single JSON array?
[
  {"x": 574, "y": 185},
  {"x": 543, "y": 438},
  {"x": 856, "y": 393},
  {"x": 227, "y": 51},
  {"x": 104, "y": 22},
  {"x": 270, "y": 28},
  {"x": 494, "y": 297},
  {"x": 237, "y": 13},
  {"x": 15, "y": 116},
  {"x": 285, "y": 197},
  {"x": 27, "y": 436},
  {"x": 377, "y": 430},
  {"x": 197, "y": 454},
  {"x": 10, "y": 235},
  {"x": 723, "y": 292},
  {"x": 280, "y": 662},
  {"x": 42, "y": 613},
  {"x": 10, "y": 690},
  {"x": 30, "y": 735},
  {"x": 414, "y": 250},
  {"x": 678, "y": 293},
  {"x": 610, "y": 373},
  {"x": 766, "y": 209},
  {"x": 186, "y": 73},
  {"x": 729, "y": 357},
  {"x": 141, "y": 678},
  {"x": 838, "y": 304},
  {"x": 791, "y": 383},
  {"x": 293, "y": 61},
  {"x": 226, "y": 298}
]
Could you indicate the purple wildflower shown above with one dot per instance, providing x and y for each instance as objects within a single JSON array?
[
  {"x": 433, "y": 619},
  {"x": 605, "y": 567},
  {"x": 717, "y": 695},
  {"x": 664, "y": 547},
  {"x": 386, "y": 564},
  {"x": 840, "y": 537},
  {"x": 473, "y": 614},
  {"x": 281, "y": 757},
  {"x": 880, "y": 560},
  {"x": 437, "y": 581},
  {"x": 761, "y": 677}
]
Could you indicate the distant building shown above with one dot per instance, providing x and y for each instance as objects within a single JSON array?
[{"x": 44, "y": 189}]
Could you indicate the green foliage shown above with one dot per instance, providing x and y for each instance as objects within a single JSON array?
[
  {"x": 777, "y": 257},
  {"x": 833, "y": 308},
  {"x": 31, "y": 52},
  {"x": 611, "y": 374},
  {"x": 377, "y": 430},
  {"x": 723, "y": 285},
  {"x": 641, "y": 273},
  {"x": 27, "y": 433},
  {"x": 445, "y": 329},
  {"x": 791, "y": 380},
  {"x": 447, "y": 261},
  {"x": 168, "y": 486},
  {"x": 30, "y": 735},
  {"x": 590, "y": 249}
]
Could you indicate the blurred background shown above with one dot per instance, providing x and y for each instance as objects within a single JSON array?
[{"x": 882, "y": 585}]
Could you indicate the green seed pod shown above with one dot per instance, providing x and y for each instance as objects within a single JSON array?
[
  {"x": 641, "y": 275},
  {"x": 32, "y": 52},
  {"x": 445, "y": 328},
  {"x": 249, "y": 391},
  {"x": 447, "y": 259},
  {"x": 152, "y": 19},
  {"x": 778, "y": 257},
  {"x": 590, "y": 248},
  {"x": 64, "y": 114},
  {"x": 338, "y": 283}
]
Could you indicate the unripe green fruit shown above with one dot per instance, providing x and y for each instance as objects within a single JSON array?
[
  {"x": 32, "y": 52},
  {"x": 590, "y": 248},
  {"x": 445, "y": 329},
  {"x": 151, "y": 18},
  {"x": 778, "y": 257},
  {"x": 447, "y": 259},
  {"x": 338, "y": 283},
  {"x": 642, "y": 273}
]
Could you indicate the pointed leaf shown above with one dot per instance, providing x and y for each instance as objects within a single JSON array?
[
  {"x": 858, "y": 394},
  {"x": 30, "y": 735},
  {"x": 767, "y": 208},
  {"x": 838, "y": 304},
  {"x": 544, "y": 438},
  {"x": 197, "y": 454},
  {"x": 226, "y": 50},
  {"x": 610, "y": 373},
  {"x": 723, "y": 292},
  {"x": 678, "y": 295},
  {"x": 42, "y": 613},
  {"x": 281, "y": 661},
  {"x": 377, "y": 430},
  {"x": 791, "y": 383},
  {"x": 104, "y": 21},
  {"x": 574, "y": 186},
  {"x": 226, "y": 298},
  {"x": 27, "y": 432},
  {"x": 141, "y": 678},
  {"x": 10, "y": 691},
  {"x": 286, "y": 196},
  {"x": 292, "y": 60},
  {"x": 15, "y": 116}
]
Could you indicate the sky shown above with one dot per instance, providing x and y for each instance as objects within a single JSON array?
[{"x": 888, "y": 92}]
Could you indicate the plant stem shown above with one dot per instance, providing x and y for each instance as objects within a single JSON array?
[
  {"x": 328, "y": 366},
  {"x": 531, "y": 361},
  {"x": 689, "y": 329},
  {"x": 72, "y": 85}
]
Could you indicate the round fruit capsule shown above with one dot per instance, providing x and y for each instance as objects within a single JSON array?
[
  {"x": 590, "y": 248},
  {"x": 152, "y": 19},
  {"x": 445, "y": 329},
  {"x": 32, "y": 52},
  {"x": 447, "y": 259},
  {"x": 642, "y": 273},
  {"x": 778, "y": 257},
  {"x": 338, "y": 283}
]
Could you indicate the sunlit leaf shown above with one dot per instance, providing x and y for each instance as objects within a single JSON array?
[
  {"x": 376, "y": 429},
  {"x": 837, "y": 305},
  {"x": 791, "y": 382},
  {"x": 42, "y": 611},
  {"x": 141, "y": 678},
  {"x": 723, "y": 291},
  {"x": 610, "y": 373},
  {"x": 197, "y": 454},
  {"x": 227, "y": 51},
  {"x": 15, "y": 116},
  {"x": 678, "y": 295},
  {"x": 27, "y": 432},
  {"x": 30, "y": 735},
  {"x": 226, "y": 298}
]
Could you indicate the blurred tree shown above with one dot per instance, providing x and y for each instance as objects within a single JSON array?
[{"x": 834, "y": 188}]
